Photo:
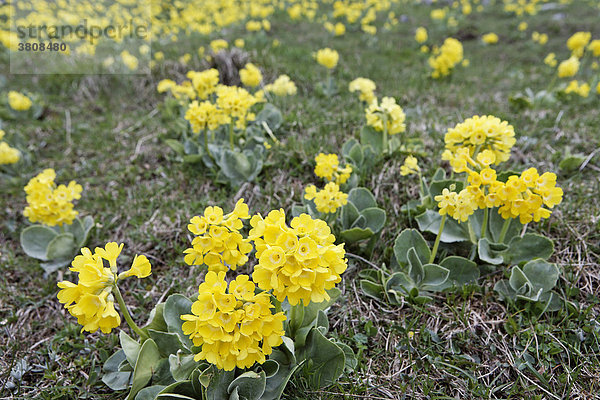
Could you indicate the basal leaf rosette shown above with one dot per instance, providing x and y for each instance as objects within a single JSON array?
[
  {"x": 48, "y": 203},
  {"x": 234, "y": 326},
  {"x": 91, "y": 300},
  {"x": 218, "y": 243},
  {"x": 475, "y": 135},
  {"x": 300, "y": 262}
]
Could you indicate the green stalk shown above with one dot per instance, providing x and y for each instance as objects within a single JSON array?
[
  {"x": 231, "y": 135},
  {"x": 437, "y": 239},
  {"x": 385, "y": 133},
  {"x": 126, "y": 314},
  {"x": 504, "y": 230},
  {"x": 486, "y": 216}
]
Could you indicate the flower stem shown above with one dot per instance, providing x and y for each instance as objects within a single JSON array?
[
  {"x": 486, "y": 216},
  {"x": 231, "y": 135},
  {"x": 437, "y": 239},
  {"x": 126, "y": 314},
  {"x": 504, "y": 230}
]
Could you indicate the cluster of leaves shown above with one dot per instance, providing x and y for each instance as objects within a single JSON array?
[
  {"x": 163, "y": 367},
  {"x": 243, "y": 162}
]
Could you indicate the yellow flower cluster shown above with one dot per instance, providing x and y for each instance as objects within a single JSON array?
[
  {"x": 388, "y": 115},
  {"x": 218, "y": 44},
  {"x": 421, "y": 35},
  {"x": 410, "y": 166},
  {"x": 568, "y": 68},
  {"x": 299, "y": 262},
  {"x": 283, "y": 86},
  {"x": 577, "y": 43},
  {"x": 8, "y": 155},
  {"x": 338, "y": 29},
  {"x": 204, "y": 115},
  {"x": 477, "y": 134},
  {"x": 205, "y": 82},
  {"x": 327, "y": 57},
  {"x": 490, "y": 38},
  {"x": 581, "y": 89},
  {"x": 550, "y": 60},
  {"x": 18, "y": 101},
  {"x": 540, "y": 38},
  {"x": 250, "y": 75},
  {"x": 236, "y": 103},
  {"x": 328, "y": 167},
  {"x": 327, "y": 200},
  {"x": 234, "y": 326},
  {"x": 90, "y": 300},
  {"x": 50, "y": 204},
  {"x": 218, "y": 243},
  {"x": 521, "y": 196},
  {"x": 365, "y": 87},
  {"x": 445, "y": 58}
]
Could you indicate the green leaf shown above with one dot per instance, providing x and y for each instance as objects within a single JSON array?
[
  {"x": 150, "y": 392},
  {"x": 453, "y": 232},
  {"x": 131, "y": 348},
  {"x": 145, "y": 366},
  {"x": 61, "y": 247},
  {"x": 490, "y": 252},
  {"x": 284, "y": 356},
  {"x": 571, "y": 163},
  {"x": 355, "y": 234},
  {"x": 373, "y": 138},
  {"x": 250, "y": 385},
  {"x": 271, "y": 115},
  {"x": 372, "y": 289},
  {"x": 176, "y": 306},
  {"x": 400, "y": 282},
  {"x": 462, "y": 271},
  {"x": 326, "y": 360},
  {"x": 176, "y": 145},
  {"x": 297, "y": 210},
  {"x": 495, "y": 224},
  {"x": 348, "y": 215},
  {"x": 156, "y": 319},
  {"x": 411, "y": 238},
  {"x": 356, "y": 155},
  {"x": 528, "y": 247},
  {"x": 375, "y": 218},
  {"x": 51, "y": 266},
  {"x": 351, "y": 360},
  {"x": 112, "y": 363},
  {"x": 542, "y": 275},
  {"x": 434, "y": 275},
  {"x": 505, "y": 290},
  {"x": 270, "y": 367},
  {"x": 415, "y": 270},
  {"x": 167, "y": 342},
  {"x": 240, "y": 167},
  {"x": 35, "y": 240},
  {"x": 117, "y": 380},
  {"x": 190, "y": 147},
  {"x": 362, "y": 198},
  {"x": 217, "y": 388},
  {"x": 519, "y": 282},
  {"x": 193, "y": 158},
  {"x": 181, "y": 366}
]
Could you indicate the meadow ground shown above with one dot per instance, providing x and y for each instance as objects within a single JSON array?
[{"x": 108, "y": 132}]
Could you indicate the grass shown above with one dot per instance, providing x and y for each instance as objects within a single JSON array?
[{"x": 107, "y": 133}]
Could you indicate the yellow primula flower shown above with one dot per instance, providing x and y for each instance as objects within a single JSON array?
[
  {"x": 91, "y": 299},
  {"x": 50, "y": 204},
  {"x": 327, "y": 58},
  {"x": 311, "y": 263},
  {"x": 387, "y": 111},
  {"x": 327, "y": 200},
  {"x": 410, "y": 166},
  {"x": 18, "y": 101},
  {"x": 250, "y": 75},
  {"x": 233, "y": 326},
  {"x": 421, "y": 35}
]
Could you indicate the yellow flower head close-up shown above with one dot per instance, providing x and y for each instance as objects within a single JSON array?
[
  {"x": 327, "y": 57},
  {"x": 18, "y": 101},
  {"x": 91, "y": 299},
  {"x": 48, "y": 203},
  {"x": 217, "y": 242},
  {"x": 234, "y": 326},
  {"x": 299, "y": 262}
]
